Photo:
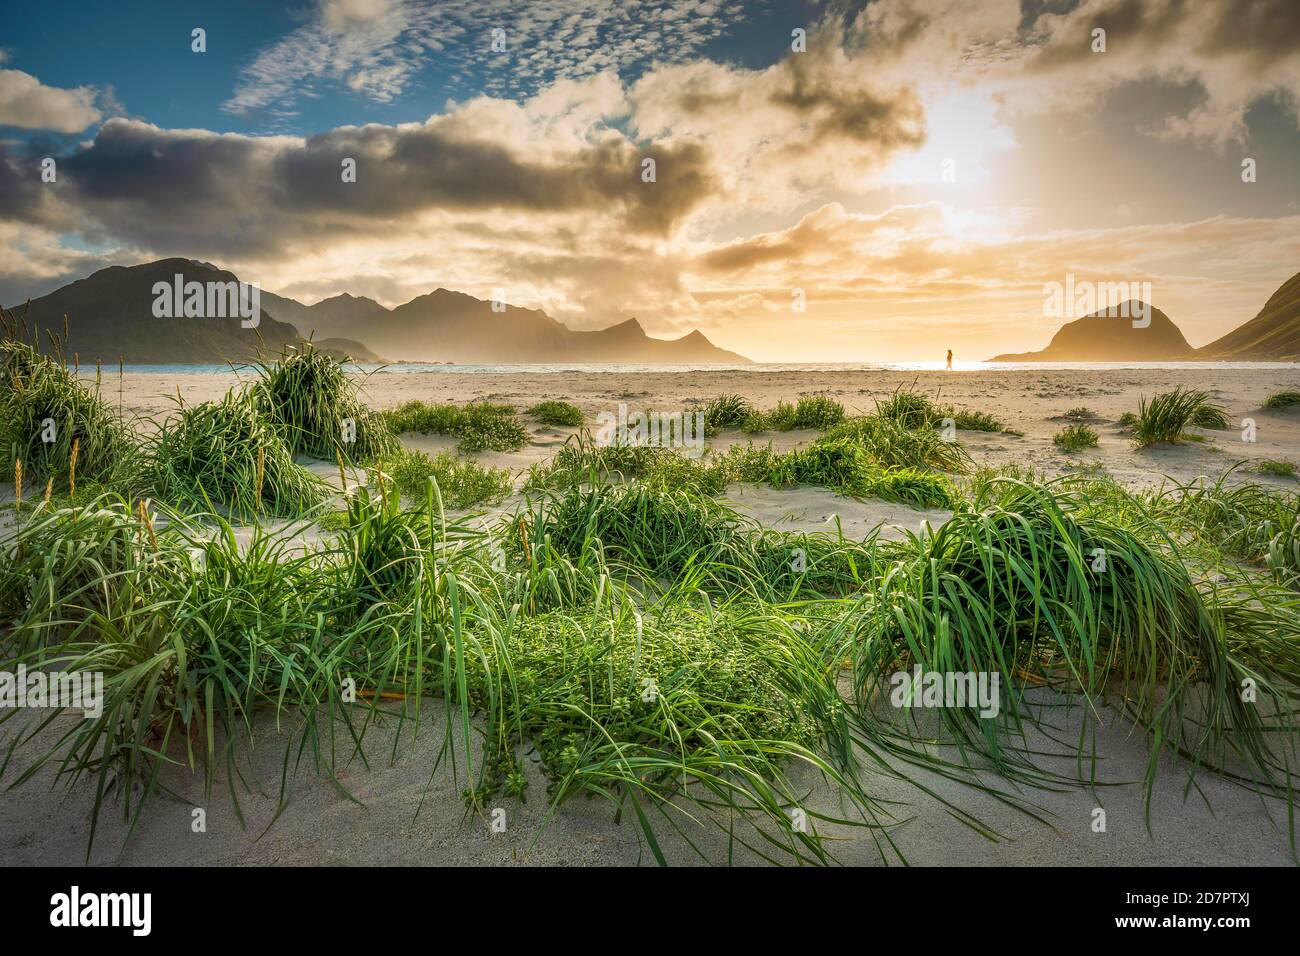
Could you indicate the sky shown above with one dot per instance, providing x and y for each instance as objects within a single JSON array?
[{"x": 857, "y": 181}]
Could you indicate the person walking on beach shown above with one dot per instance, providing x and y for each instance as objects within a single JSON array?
[{"x": 950, "y": 360}]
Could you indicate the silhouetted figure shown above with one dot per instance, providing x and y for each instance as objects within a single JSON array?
[{"x": 950, "y": 360}]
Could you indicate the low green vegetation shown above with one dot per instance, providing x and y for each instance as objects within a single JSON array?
[
  {"x": 817, "y": 412},
  {"x": 477, "y": 426},
  {"x": 1166, "y": 417},
  {"x": 729, "y": 411},
  {"x": 1210, "y": 416},
  {"x": 1282, "y": 399},
  {"x": 973, "y": 421},
  {"x": 909, "y": 409},
  {"x": 891, "y": 444},
  {"x": 52, "y": 427},
  {"x": 462, "y": 483},
  {"x": 649, "y": 647},
  {"x": 915, "y": 410},
  {"x": 226, "y": 456},
  {"x": 553, "y": 412},
  {"x": 847, "y": 466},
  {"x": 1276, "y": 467},
  {"x": 864, "y": 457},
  {"x": 315, "y": 404},
  {"x": 1074, "y": 438},
  {"x": 641, "y": 642}
]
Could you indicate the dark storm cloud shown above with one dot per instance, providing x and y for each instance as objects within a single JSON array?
[
  {"x": 20, "y": 187},
  {"x": 1265, "y": 31},
  {"x": 1129, "y": 24},
  {"x": 217, "y": 194}
]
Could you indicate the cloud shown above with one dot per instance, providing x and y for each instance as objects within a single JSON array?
[
  {"x": 376, "y": 47},
  {"x": 1236, "y": 52},
  {"x": 790, "y": 175},
  {"x": 195, "y": 192},
  {"x": 814, "y": 123},
  {"x": 26, "y": 102}
]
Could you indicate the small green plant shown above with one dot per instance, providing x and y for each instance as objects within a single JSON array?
[
  {"x": 891, "y": 444},
  {"x": 1272, "y": 466},
  {"x": 461, "y": 483},
  {"x": 1166, "y": 417},
  {"x": 225, "y": 455},
  {"x": 552, "y": 412},
  {"x": 1075, "y": 438},
  {"x": 817, "y": 411},
  {"x": 310, "y": 397},
  {"x": 477, "y": 426},
  {"x": 1080, "y": 414},
  {"x": 909, "y": 409},
  {"x": 1210, "y": 416},
  {"x": 1128, "y": 420},
  {"x": 46, "y": 413},
  {"x": 726, "y": 411},
  {"x": 811, "y": 411},
  {"x": 1282, "y": 399},
  {"x": 971, "y": 421},
  {"x": 844, "y": 464}
]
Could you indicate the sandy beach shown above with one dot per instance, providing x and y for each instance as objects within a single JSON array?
[
  {"x": 408, "y": 812},
  {"x": 1028, "y": 400}
]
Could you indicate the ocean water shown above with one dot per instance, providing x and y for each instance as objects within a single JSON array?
[{"x": 408, "y": 368}]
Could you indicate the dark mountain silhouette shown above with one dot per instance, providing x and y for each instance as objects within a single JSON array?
[
  {"x": 110, "y": 315},
  {"x": 1102, "y": 337},
  {"x": 1271, "y": 336},
  {"x": 446, "y": 326}
]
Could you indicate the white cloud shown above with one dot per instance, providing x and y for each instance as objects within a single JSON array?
[
  {"x": 375, "y": 47},
  {"x": 28, "y": 103}
]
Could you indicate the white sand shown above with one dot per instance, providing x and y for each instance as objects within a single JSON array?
[
  {"x": 413, "y": 815},
  {"x": 1026, "y": 400}
]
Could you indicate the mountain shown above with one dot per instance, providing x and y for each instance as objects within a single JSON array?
[
  {"x": 337, "y": 316},
  {"x": 1271, "y": 336},
  {"x": 1112, "y": 338},
  {"x": 110, "y": 315},
  {"x": 343, "y": 349},
  {"x": 446, "y": 326}
]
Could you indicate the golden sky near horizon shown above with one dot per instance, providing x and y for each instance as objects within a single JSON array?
[{"x": 913, "y": 173}]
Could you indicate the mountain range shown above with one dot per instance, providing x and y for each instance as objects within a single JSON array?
[
  {"x": 110, "y": 315},
  {"x": 1271, "y": 336}
]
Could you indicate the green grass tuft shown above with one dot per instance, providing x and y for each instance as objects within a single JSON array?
[
  {"x": 1075, "y": 438},
  {"x": 40, "y": 399},
  {"x": 310, "y": 397},
  {"x": 553, "y": 412},
  {"x": 1282, "y": 399},
  {"x": 1166, "y": 417},
  {"x": 462, "y": 483},
  {"x": 224, "y": 455},
  {"x": 477, "y": 426}
]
